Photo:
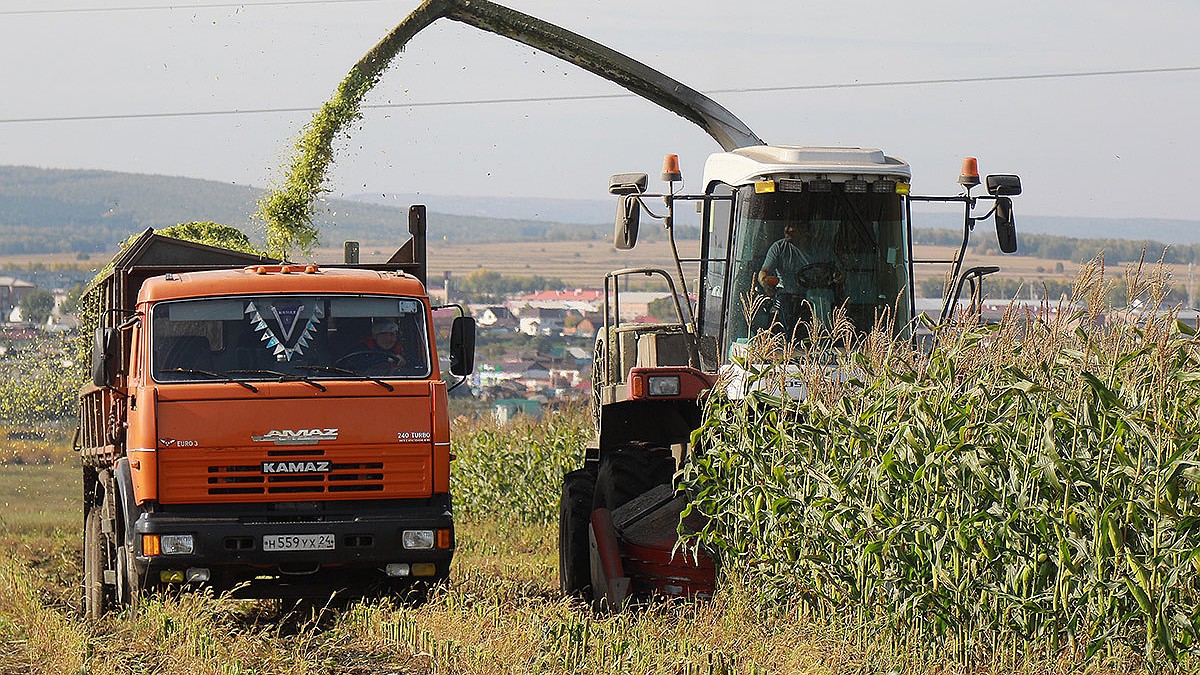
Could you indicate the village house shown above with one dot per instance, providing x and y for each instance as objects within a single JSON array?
[
  {"x": 496, "y": 317},
  {"x": 582, "y": 300},
  {"x": 11, "y": 292},
  {"x": 539, "y": 321}
]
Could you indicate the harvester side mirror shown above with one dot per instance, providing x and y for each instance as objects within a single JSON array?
[
  {"x": 104, "y": 356},
  {"x": 625, "y": 230},
  {"x": 627, "y": 183},
  {"x": 1006, "y": 227},
  {"x": 1004, "y": 184},
  {"x": 462, "y": 346}
]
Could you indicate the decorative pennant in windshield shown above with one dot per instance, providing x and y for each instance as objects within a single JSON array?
[{"x": 286, "y": 327}]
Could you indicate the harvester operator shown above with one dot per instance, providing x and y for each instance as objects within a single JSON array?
[{"x": 795, "y": 274}]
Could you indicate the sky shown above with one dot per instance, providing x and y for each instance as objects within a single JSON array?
[{"x": 1116, "y": 145}]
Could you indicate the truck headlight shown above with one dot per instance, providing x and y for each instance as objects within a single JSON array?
[
  {"x": 417, "y": 539},
  {"x": 664, "y": 385},
  {"x": 176, "y": 544}
]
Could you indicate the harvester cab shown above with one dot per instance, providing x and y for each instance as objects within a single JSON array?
[{"x": 794, "y": 237}]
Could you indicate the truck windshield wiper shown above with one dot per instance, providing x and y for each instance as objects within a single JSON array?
[
  {"x": 283, "y": 377},
  {"x": 347, "y": 371},
  {"x": 193, "y": 371}
]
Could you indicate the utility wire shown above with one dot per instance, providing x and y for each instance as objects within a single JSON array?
[
  {"x": 596, "y": 97},
  {"x": 145, "y": 8}
]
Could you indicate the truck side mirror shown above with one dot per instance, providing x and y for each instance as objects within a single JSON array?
[
  {"x": 625, "y": 230},
  {"x": 1006, "y": 227},
  {"x": 462, "y": 346},
  {"x": 104, "y": 352}
]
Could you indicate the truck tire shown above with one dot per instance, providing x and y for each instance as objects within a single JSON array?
[
  {"x": 629, "y": 470},
  {"x": 131, "y": 585},
  {"x": 95, "y": 560},
  {"x": 574, "y": 513}
]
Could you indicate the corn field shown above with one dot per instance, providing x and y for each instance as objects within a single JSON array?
[
  {"x": 513, "y": 473},
  {"x": 1035, "y": 483}
]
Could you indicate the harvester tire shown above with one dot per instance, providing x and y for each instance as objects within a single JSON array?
[
  {"x": 630, "y": 470},
  {"x": 574, "y": 514},
  {"x": 95, "y": 559}
]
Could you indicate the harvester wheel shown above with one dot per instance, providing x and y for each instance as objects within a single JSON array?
[
  {"x": 629, "y": 470},
  {"x": 574, "y": 514},
  {"x": 95, "y": 559}
]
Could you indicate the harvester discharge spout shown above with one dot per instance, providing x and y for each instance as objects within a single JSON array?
[{"x": 725, "y": 128}]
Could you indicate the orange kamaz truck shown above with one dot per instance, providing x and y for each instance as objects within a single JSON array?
[{"x": 264, "y": 428}]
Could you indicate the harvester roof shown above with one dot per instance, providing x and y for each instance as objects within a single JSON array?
[{"x": 746, "y": 165}]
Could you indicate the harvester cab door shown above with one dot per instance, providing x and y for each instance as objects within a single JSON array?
[{"x": 715, "y": 247}]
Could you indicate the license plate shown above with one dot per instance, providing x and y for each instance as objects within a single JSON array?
[{"x": 298, "y": 542}]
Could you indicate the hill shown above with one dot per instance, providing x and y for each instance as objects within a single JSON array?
[{"x": 82, "y": 211}]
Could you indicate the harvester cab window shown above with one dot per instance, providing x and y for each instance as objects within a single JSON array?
[
  {"x": 801, "y": 257},
  {"x": 269, "y": 337}
]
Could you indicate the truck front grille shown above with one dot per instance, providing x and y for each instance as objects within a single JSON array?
[
  {"x": 250, "y": 480},
  {"x": 190, "y": 476}
]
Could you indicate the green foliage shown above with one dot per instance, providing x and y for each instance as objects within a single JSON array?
[
  {"x": 36, "y": 305},
  {"x": 662, "y": 309},
  {"x": 41, "y": 380},
  {"x": 513, "y": 473},
  {"x": 1035, "y": 483},
  {"x": 483, "y": 285},
  {"x": 70, "y": 303},
  {"x": 212, "y": 234},
  {"x": 288, "y": 211}
]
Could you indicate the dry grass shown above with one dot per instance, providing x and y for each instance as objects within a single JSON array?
[{"x": 500, "y": 613}]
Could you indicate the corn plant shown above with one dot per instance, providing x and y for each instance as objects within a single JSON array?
[
  {"x": 1031, "y": 483},
  {"x": 514, "y": 472}
]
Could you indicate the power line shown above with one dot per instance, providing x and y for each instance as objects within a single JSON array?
[
  {"x": 595, "y": 97},
  {"x": 145, "y": 8},
  {"x": 963, "y": 80}
]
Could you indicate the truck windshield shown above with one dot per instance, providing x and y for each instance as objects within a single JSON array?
[
  {"x": 274, "y": 337},
  {"x": 798, "y": 256}
]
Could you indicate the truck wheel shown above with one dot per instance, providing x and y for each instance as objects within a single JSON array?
[
  {"x": 131, "y": 585},
  {"x": 95, "y": 560},
  {"x": 574, "y": 513},
  {"x": 629, "y": 470}
]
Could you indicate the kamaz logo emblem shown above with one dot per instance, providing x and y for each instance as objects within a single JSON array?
[
  {"x": 296, "y": 467},
  {"x": 296, "y": 436}
]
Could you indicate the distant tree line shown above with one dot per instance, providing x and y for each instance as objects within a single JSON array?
[
  {"x": 1005, "y": 288},
  {"x": 1054, "y": 247}
]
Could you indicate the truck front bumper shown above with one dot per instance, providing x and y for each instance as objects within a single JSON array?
[{"x": 367, "y": 538}]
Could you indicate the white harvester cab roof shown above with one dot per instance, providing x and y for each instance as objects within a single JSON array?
[{"x": 746, "y": 165}]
